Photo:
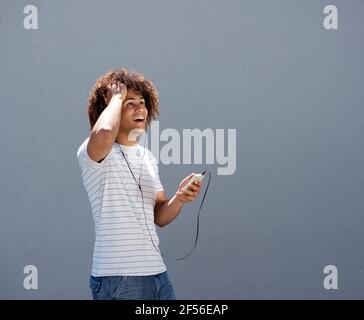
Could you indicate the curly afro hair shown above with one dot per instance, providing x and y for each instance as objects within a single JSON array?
[{"x": 134, "y": 81}]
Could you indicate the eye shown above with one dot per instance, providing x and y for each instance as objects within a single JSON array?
[{"x": 141, "y": 102}]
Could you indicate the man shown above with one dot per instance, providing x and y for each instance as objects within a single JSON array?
[{"x": 125, "y": 193}]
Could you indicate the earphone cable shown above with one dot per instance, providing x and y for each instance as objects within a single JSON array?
[{"x": 145, "y": 217}]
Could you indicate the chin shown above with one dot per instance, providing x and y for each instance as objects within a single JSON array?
[{"x": 140, "y": 127}]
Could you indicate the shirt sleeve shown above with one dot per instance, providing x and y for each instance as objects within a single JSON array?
[{"x": 84, "y": 159}]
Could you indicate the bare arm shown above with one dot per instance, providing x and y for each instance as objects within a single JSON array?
[
  {"x": 166, "y": 210},
  {"x": 106, "y": 128}
]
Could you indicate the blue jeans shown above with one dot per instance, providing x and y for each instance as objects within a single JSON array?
[{"x": 155, "y": 287}]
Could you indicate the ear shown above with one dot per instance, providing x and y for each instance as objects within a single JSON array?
[{"x": 108, "y": 94}]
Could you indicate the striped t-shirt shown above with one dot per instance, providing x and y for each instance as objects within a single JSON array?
[{"x": 123, "y": 245}]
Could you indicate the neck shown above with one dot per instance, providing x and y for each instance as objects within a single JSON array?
[{"x": 122, "y": 138}]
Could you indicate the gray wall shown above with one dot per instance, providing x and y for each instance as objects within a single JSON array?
[{"x": 293, "y": 90}]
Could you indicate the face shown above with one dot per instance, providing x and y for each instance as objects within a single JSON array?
[{"x": 134, "y": 113}]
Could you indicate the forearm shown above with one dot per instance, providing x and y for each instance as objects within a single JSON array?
[
  {"x": 109, "y": 119},
  {"x": 167, "y": 212}
]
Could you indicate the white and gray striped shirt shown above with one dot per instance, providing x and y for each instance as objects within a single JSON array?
[{"x": 123, "y": 232}]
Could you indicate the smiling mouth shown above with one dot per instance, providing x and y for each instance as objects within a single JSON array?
[{"x": 139, "y": 119}]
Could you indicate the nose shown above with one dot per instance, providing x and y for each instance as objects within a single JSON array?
[{"x": 139, "y": 106}]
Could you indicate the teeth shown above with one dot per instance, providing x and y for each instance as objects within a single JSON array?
[{"x": 139, "y": 118}]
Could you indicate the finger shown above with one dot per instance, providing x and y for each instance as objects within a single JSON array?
[
  {"x": 192, "y": 195},
  {"x": 184, "y": 198},
  {"x": 193, "y": 187},
  {"x": 187, "y": 196},
  {"x": 190, "y": 198},
  {"x": 196, "y": 189},
  {"x": 187, "y": 192},
  {"x": 195, "y": 195},
  {"x": 190, "y": 176},
  {"x": 192, "y": 190},
  {"x": 185, "y": 181},
  {"x": 183, "y": 184}
]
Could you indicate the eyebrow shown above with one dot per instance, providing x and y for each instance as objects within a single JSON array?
[{"x": 140, "y": 97}]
